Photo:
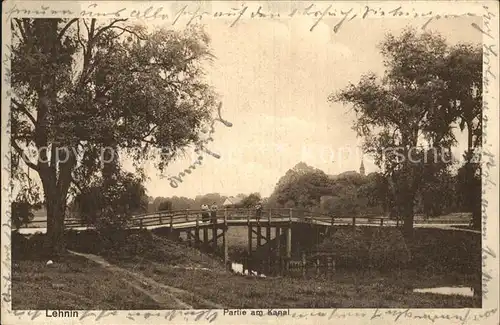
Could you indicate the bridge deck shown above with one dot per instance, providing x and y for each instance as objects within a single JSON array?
[{"x": 191, "y": 219}]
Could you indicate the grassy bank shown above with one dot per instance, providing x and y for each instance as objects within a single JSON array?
[
  {"x": 73, "y": 283},
  {"x": 440, "y": 258},
  {"x": 432, "y": 250},
  {"x": 346, "y": 289}
]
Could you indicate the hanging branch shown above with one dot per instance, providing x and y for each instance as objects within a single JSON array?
[{"x": 20, "y": 151}]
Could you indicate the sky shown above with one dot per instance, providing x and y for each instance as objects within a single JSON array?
[{"x": 273, "y": 78}]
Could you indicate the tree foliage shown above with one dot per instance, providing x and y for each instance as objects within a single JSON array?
[
  {"x": 165, "y": 206},
  {"x": 88, "y": 88},
  {"x": 346, "y": 194},
  {"x": 251, "y": 200},
  {"x": 301, "y": 187},
  {"x": 110, "y": 204},
  {"x": 408, "y": 115}
]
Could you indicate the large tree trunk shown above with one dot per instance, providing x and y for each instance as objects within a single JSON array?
[
  {"x": 408, "y": 217},
  {"x": 56, "y": 192},
  {"x": 56, "y": 209},
  {"x": 408, "y": 184}
]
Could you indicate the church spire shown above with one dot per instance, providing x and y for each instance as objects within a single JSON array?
[{"x": 362, "y": 168}]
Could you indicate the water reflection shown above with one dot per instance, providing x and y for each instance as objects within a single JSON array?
[
  {"x": 461, "y": 291},
  {"x": 238, "y": 269}
]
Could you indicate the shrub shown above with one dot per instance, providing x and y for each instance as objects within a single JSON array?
[
  {"x": 349, "y": 247},
  {"x": 28, "y": 247},
  {"x": 87, "y": 241},
  {"x": 388, "y": 249},
  {"x": 165, "y": 206}
]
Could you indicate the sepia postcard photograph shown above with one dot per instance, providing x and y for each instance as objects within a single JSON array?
[{"x": 250, "y": 162}]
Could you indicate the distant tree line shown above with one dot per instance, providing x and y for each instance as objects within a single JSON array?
[
  {"x": 352, "y": 194},
  {"x": 181, "y": 203}
]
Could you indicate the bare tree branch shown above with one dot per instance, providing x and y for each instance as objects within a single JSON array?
[
  {"x": 87, "y": 52},
  {"x": 149, "y": 133},
  {"x": 111, "y": 25},
  {"x": 78, "y": 186},
  {"x": 24, "y": 110},
  {"x": 21, "y": 29},
  {"x": 92, "y": 29},
  {"x": 80, "y": 38},
  {"x": 126, "y": 30},
  {"x": 86, "y": 26},
  {"x": 65, "y": 28},
  {"x": 20, "y": 151}
]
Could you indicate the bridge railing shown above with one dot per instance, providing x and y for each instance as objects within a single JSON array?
[{"x": 173, "y": 218}]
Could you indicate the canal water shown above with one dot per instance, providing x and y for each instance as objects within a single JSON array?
[
  {"x": 458, "y": 290},
  {"x": 461, "y": 291},
  {"x": 238, "y": 269}
]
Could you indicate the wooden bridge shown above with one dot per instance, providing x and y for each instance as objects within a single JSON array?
[{"x": 269, "y": 234}]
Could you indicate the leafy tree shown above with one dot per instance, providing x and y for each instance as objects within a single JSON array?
[
  {"x": 393, "y": 112},
  {"x": 182, "y": 203},
  {"x": 310, "y": 188},
  {"x": 376, "y": 192},
  {"x": 165, "y": 206},
  {"x": 464, "y": 78},
  {"x": 85, "y": 89},
  {"x": 27, "y": 199},
  {"x": 302, "y": 185},
  {"x": 251, "y": 200},
  {"x": 469, "y": 189},
  {"x": 109, "y": 205},
  {"x": 464, "y": 81},
  {"x": 209, "y": 199},
  {"x": 21, "y": 213}
]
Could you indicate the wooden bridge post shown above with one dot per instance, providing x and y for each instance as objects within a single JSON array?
[
  {"x": 214, "y": 234},
  {"x": 289, "y": 242},
  {"x": 259, "y": 242},
  {"x": 353, "y": 223},
  {"x": 205, "y": 235},
  {"x": 224, "y": 240},
  {"x": 190, "y": 236},
  {"x": 197, "y": 231},
  {"x": 268, "y": 242},
  {"x": 171, "y": 223},
  {"x": 249, "y": 259},
  {"x": 278, "y": 249},
  {"x": 381, "y": 222}
]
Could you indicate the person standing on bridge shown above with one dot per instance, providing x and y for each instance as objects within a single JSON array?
[
  {"x": 213, "y": 209},
  {"x": 205, "y": 214}
]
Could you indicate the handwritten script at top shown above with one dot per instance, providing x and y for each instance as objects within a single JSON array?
[{"x": 189, "y": 14}]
